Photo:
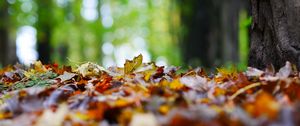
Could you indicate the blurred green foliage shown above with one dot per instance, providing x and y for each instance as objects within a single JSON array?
[
  {"x": 108, "y": 31},
  {"x": 79, "y": 28},
  {"x": 244, "y": 23}
]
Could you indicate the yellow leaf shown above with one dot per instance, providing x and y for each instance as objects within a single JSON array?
[
  {"x": 164, "y": 109},
  {"x": 39, "y": 67},
  {"x": 4, "y": 115},
  {"x": 176, "y": 84},
  {"x": 121, "y": 102},
  {"x": 225, "y": 74},
  {"x": 80, "y": 116},
  {"x": 147, "y": 76},
  {"x": 131, "y": 65},
  {"x": 29, "y": 73}
]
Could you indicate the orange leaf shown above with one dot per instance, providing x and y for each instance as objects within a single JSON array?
[{"x": 265, "y": 105}]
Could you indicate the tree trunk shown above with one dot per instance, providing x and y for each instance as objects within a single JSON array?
[
  {"x": 3, "y": 32},
  {"x": 44, "y": 30},
  {"x": 3, "y": 45},
  {"x": 201, "y": 24},
  {"x": 7, "y": 47},
  {"x": 275, "y": 33},
  {"x": 230, "y": 11},
  {"x": 212, "y": 31}
]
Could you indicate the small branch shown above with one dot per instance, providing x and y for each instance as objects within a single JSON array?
[{"x": 242, "y": 90}]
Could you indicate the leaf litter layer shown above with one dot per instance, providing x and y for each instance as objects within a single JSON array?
[{"x": 144, "y": 94}]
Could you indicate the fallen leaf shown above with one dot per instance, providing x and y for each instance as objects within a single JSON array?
[
  {"x": 264, "y": 105},
  {"x": 90, "y": 69},
  {"x": 143, "y": 119},
  {"x": 285, "y": 71},
  {"x": 253, "y": 72},
  {"x": 66, "y": 76},
  {"x": 50, "y": 118},
  {"x": 132, "y": 65},
  {"x": 195, "y": 82},
  {"x": 176, "y": 84},
  {"x": 39, "y": 67}
]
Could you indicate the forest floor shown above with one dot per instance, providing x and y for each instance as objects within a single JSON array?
[{"x": 144, "y": 94}]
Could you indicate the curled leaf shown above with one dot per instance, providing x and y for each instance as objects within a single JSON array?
[
  {"x": 285, "y": 71},
  {"x": 253, "y": 72},
  {"x": 90, "y": 69}
]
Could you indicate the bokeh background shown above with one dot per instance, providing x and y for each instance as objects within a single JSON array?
[{"x": 207, "y": 33}]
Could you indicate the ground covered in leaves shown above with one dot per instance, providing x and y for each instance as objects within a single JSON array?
[{"x": 143, "y": 94}]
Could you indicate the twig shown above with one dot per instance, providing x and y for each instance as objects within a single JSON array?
[{"x": 242, "y": 90}]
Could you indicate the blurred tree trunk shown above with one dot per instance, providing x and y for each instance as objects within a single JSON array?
[
  {"x": 275, "y": 33},
  {"x": 230, "y": 12},
  {"x": 44, "y": 29},
  {"x": 212, "y": 31},
  {"x": 3, "y": 32},
  {"x": 201, "y": 20},
  {"x": 7, "y": 48}
]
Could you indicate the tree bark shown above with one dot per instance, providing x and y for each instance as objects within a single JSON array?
[{"x": 275, "y": 33}]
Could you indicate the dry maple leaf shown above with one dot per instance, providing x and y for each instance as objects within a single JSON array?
[{"x": 132, "y": 65}]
